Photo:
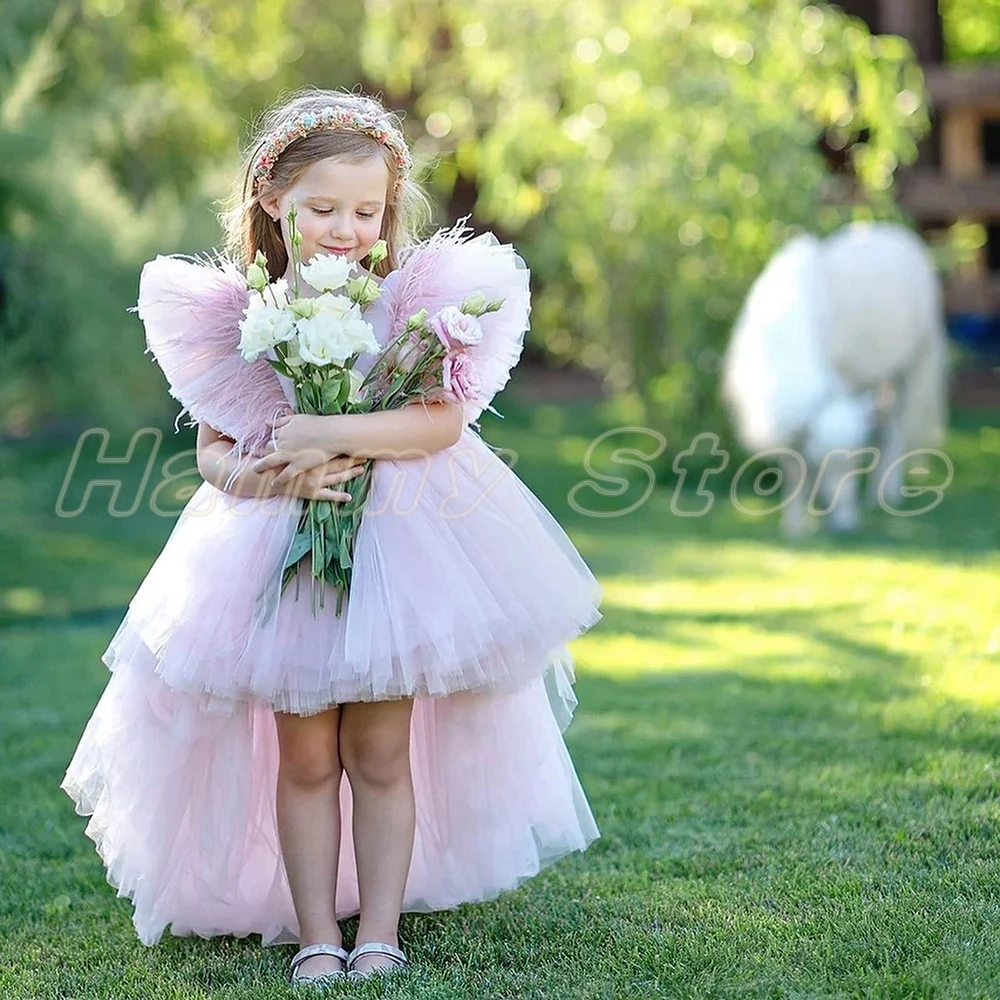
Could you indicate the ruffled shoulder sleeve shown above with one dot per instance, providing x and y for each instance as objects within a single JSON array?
[
  {"x": 191, "y": 311},
  {"x": 446, "y": 269}
]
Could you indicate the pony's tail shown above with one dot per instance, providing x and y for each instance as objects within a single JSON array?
[{"x": 925, "y": 393}]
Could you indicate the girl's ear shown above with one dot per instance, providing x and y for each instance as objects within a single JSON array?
[{"x": 269, "y": 203}]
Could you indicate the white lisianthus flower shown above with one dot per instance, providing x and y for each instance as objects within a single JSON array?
[
  {"x": 263, "y": 326},
  {"x": 360, "y": 336},
  {"x": 334, "y": 306},
  {"x": 334, "y": 332},
  {"x": 276, "y": 292},
  {"x": 320, "y": 341},
  {"x": 327, "y": 272}
]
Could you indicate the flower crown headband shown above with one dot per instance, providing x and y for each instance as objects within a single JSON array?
[{"x": 369, "y": 122}]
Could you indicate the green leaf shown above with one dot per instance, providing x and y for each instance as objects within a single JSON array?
[
  {"x": 344, "y": 394},
  {"x": 331, "y": 392},
  {"x": 345, "y": 551},
  {"x": 301, "y": 544},
  {"x": 319, "y": 549}
]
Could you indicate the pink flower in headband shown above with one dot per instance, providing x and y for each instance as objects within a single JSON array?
[{"x": 369, "y": 122}]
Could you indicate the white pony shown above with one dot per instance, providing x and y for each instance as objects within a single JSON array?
[{"x": 840, "y": 346}]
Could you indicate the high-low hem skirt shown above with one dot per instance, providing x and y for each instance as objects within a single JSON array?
[{"x": 468, "y": 614}]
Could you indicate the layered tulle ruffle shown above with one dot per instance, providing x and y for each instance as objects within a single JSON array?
[
  {"x": 182, "y": 803},
  {"x": 462, "y": 580}
]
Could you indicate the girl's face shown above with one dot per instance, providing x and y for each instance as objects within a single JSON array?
[{"x": 339, "y": 207}]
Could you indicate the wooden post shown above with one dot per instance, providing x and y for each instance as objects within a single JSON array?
[
  {"x": 917, "y": 20},
  {"x": 952, "y": 178},
  {"x": 867, "y": 10},
  {"x": 962, "y": 152}
]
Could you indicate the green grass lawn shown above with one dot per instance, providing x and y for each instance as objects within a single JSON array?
[{"x": 791, "y": 751}]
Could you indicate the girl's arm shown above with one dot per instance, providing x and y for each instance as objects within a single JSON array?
[
  {"x": 327, "y": 481},
  {"x": 305, "y": 440},
  {"x": 215, "y": 466},
  {"x": 423, "y": 428}
]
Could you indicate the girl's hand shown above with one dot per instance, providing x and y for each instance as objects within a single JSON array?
[
  {"x": 301, "y": 446},
  {"x": 317, "y": 483}
]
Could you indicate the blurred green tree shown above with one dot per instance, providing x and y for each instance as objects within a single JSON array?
[
  {"x": 971, "y": 29},
  {"x": 651, "y": 154},
  {"x": 120, "y": 127}
]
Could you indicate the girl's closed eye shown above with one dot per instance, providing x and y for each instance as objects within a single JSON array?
[{"x": 327, "y": 211}]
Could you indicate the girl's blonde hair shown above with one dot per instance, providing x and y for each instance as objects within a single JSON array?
[{"x": 248, "y": 228}]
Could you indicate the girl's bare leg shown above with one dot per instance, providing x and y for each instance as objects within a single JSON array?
[
  {"x": 308, "y": 807},
  {"x": 375, "y": 749}
]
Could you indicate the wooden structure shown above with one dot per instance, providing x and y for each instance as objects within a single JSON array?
[{"x": 957, "y": 175}]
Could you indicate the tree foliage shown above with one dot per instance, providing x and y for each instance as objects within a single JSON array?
[
  {"x": 120, "y": 126},
  {"x": 647, "y": 155},
  {"x": 971, "y": 29},
  {"x": 652, "y": 154}
]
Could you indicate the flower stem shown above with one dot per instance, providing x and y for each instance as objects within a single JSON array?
[{"x": 294, "y": 239}]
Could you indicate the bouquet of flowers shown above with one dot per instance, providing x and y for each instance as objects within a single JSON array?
[{"x": 316, "y": 342}]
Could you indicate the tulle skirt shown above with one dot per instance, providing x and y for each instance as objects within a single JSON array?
[
  {"x": 464, "y": 594},
  {"x": 462, "y": 579}
]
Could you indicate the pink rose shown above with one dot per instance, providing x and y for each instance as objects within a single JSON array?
[
  {"x": 461, "y": 378},
  {"x": 455, "y": 328}
]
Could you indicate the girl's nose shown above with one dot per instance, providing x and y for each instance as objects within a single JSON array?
[{"x": 341, "y": 228}]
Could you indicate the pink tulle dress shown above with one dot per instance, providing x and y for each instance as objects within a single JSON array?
[{"x": 465, "y": 593}]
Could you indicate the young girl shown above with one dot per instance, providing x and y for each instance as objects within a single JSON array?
[{"x": 212, "y": 766}]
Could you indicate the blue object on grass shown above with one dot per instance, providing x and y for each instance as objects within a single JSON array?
[{"x": 979, "y": 331}]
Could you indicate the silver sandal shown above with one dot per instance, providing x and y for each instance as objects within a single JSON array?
[
  {"x": 309, "y": 952},
  {"x": 376, "y": 948}
]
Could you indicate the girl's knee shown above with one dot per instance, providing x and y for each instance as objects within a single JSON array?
[
  {"x": 309, "y": 751},
  {"x": 376, "y": 762},
  {"x": 310, "y": 767},
  {"x": 376, "y": 752}
]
